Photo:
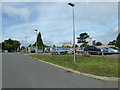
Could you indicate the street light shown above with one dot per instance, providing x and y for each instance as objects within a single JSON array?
[
  {"x": 36, "y": 39},
  {"x": 26, "y": 43},
  {"x": 72, "y": 5}
]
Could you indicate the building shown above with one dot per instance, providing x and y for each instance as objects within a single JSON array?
[
  {"x": 90, "y": 41},
  {"x": 107, "y": 46},
  {"x": 67, "y": 45}
]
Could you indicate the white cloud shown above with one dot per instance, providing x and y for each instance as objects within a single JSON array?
[
  {"x": 107, "y": 37},
  {"x": 22, "y": 13},
  {"x": 100, "y": 13},
  {"x": 54, "y": 21}
]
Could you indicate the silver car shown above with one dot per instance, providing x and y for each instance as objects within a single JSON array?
[
  {"x": 111, "y": 50},
  {"x": 58, "y": 51}
]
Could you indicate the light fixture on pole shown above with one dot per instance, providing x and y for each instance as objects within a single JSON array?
[
  {"x": 36, "y": 40},
  {"x": 72, "y": 5}
]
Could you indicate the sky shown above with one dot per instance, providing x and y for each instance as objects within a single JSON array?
[{"x": 54, "y": 21}]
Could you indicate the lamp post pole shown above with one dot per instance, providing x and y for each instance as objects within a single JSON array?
[
  {"x": 72, "y": 5},
  {"x": 26, "y": 44},
  {"x": 36, "y": 40}
]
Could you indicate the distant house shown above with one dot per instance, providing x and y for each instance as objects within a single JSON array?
[
  {"x": 107, "y": 46},
  {"x": 67, "y": 45}
]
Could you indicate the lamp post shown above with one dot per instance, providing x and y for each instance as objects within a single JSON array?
[
  {"x": 36, "y": 39},
  {"x": 26, "y": 43},
  {"x": 72, "y": 5}
]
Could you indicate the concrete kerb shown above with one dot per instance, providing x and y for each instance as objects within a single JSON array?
[{"x": 84, "y": 74}]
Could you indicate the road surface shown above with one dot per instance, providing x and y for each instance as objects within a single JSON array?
[{"x": 20, "y": 71}]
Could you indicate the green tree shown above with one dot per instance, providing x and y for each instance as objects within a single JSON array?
[
  {"x": 10, "y": 45},
  {"x": 112, "y": 42},
  {"x": 82, "y": 39},
  {"x": 98, "y": 43},
  {"x": 76, "y": 45},
  {"x": 40, "y": 44},
  {"x": 83, "y": 45},
  {"x": 118, "y": 41},
  {"x": 54, "y": 46}
]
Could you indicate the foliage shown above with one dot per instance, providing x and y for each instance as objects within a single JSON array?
[
  {"x": 29, "y": 45},
  {"x": 83, "y": 45},
  {"x": 82, "y": 38},
  {"x": 76, "y": 45},
  {"x": 98, "y": 43},
  {"x": 10, "y": 45},
  {"x": 40, "y": 44},
  {"x": 54, "y": 46},
  {"x": 112, "y": 42},
  {"x": 118, "y": 41}
]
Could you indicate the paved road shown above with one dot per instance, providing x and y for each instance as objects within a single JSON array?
[{"x": 22, "y": 72}]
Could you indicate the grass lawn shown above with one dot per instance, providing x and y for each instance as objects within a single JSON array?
[
  {"x": 23, "y": 53},
  {"x": 101, "y": 66}
]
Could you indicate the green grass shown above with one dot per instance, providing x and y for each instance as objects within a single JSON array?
[
  {"x": 23, "y": 53},
  {"x": 101, "y": 66}
]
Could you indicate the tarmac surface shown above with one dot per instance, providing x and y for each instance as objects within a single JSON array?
[{"x": 19, "y": 71}]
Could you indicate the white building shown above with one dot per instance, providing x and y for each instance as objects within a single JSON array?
[
  {"x": 90, "y": 41},
  {"x": 67, "y": 44}
]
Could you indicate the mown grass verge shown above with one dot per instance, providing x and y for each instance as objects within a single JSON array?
[
  {"x": 101, "y": 66},
  {"x": 23, "y": 53}
]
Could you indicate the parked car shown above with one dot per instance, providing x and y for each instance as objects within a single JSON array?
[
  {"x": 40, "y": 51},
  {"x": 116, "y": 48},
  {"x": 112, "y": 50},
  {"x": 32, "y": 50},
  {"x": 79, "y": 50},
  {"x": 95, "y": 48},
  {"x": 46, "y": 51},
  {"x": 68, "y": 50},
  {"x": 58, "y": 51}
]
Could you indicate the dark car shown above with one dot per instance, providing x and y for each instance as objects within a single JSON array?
[{"x": 95, "y": 48}]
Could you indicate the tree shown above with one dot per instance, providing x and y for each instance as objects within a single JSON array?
[
  {"x": 98, "y": 43},
  {"x": 118, "y": 41},
  {"x": 76, "y": 45},
  {"x": 82, "y": 39},
  {"x": 83, "y": 45},
  {"x": 40, "y": 44},
  {"x": 54, "y": 46},
  {"x": 94, "y": 42},
  {"x": 10, "y": 45},
  {"x": 112, "y": 42},
  {"x": 29, "y": 45}
]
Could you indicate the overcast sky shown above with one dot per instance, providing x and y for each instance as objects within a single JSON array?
[{"x": 54, "y": 21}]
